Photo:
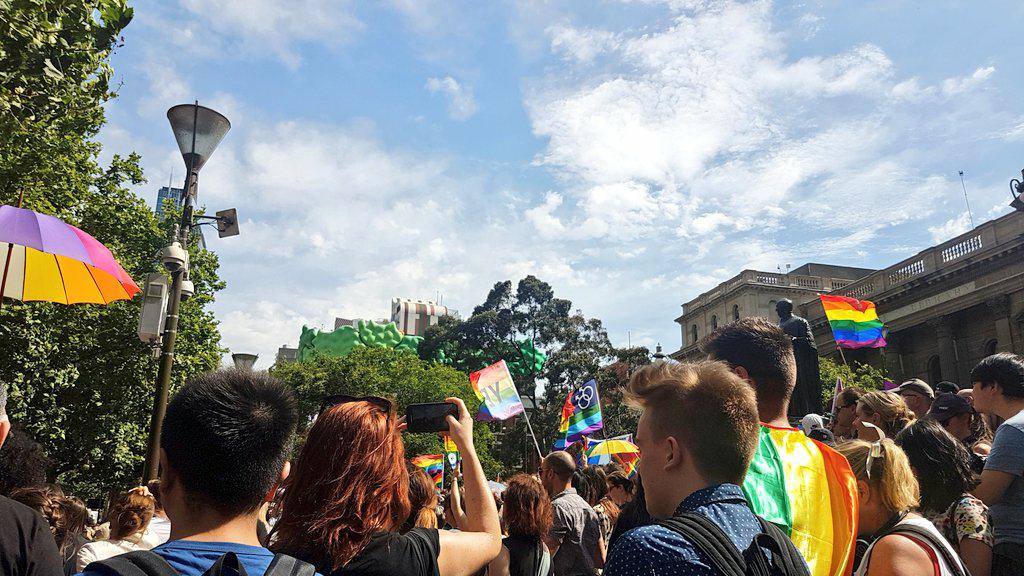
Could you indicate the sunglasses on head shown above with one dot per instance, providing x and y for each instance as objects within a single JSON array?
[{"x": 337, "y": 399}]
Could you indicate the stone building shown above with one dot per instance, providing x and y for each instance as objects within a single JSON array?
[
  {"x": 754, "y": 293},
  {"x": 945, "y": 308}
]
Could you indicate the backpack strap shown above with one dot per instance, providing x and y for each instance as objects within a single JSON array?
[
  {"x": 709, "y": 538},
  {"x": 926, "y": 535},
  {"x": 784, "y": 552},
  {"x": 227, "y": 565},
  {"x": 285, "y": 565},
  {"x": 138, "y": 563}
]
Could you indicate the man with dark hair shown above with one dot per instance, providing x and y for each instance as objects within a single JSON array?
[
  {"x": 762, "y": 354},
  {"x": 27, "y": 547},
  {"x": 998, "y": 384},
  {"x": 224, "y": 447},
  {"x": 575, "y": 540},
  {"x": 691, "y": 469}
]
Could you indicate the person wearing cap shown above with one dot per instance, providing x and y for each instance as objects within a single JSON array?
[
  {"x": 960, "y": 419},
  {"x": 918, "y": 395}
]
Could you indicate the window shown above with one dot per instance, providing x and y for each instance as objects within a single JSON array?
[
  {"x": 735, "y": 312},
  {"x": 934, "y": 369},
  {"x": 693, "y": 333},
  {"x": 714, "y": 321}
]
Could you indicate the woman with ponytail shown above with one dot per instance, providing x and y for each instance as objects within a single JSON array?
[
  {"x": 886, "y": 410},
  {"x": 129, "y": 515}
]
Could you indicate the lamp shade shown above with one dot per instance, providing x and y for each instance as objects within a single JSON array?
[
  {"x": 244, "y": 361},
  {"x": 198, "y": 130}
]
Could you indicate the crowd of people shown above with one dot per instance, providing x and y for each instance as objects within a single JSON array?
[{"x": 930, "y": 482}]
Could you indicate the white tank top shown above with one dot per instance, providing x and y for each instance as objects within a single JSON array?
[{"x": 937, "y": 558}]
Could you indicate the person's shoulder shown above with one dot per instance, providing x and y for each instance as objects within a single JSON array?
[
  {"x": 1013, "y": 424},
  {"x": 10, "y": 509},
  {"x": 895, "y": 552},
  {"x": 653, "y": 538}
]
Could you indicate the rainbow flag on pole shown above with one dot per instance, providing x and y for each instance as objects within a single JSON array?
[
  {"x": 494, "y": 386},
  {"x": 581, "y": 415},
  {"x": 433, "y": 465},
  {"x": 808, "y": 490},
  {"x": 854, "y": 323}
]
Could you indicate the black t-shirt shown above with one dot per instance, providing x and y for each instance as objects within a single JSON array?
[
  {"x": 388, "y": 553},
  {"x": 26, "y": 543}
]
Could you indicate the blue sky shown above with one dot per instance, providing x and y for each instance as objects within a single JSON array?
[{"x": 633, "y": 153}]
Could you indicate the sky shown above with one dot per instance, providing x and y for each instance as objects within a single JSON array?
[{"x": 632, "y": 153}]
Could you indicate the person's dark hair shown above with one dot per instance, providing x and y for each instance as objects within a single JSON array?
[
  {"x": 760, "y": 347},
  {"x": 634, "y": 514},
  {"x": 941, "y": 463},
  {"x": 227, "y": 435},
  {"x": 848, "y": 396},
  {"x": 527, "y": 507},
  {"x": 76, "y": 516},
  {"x": 44, "y": 499},
  {"x": 23, "y": 462},
  {"x": 980, "y": 432},
  {"x": 947, "y": 387},
  {"x": 590, "y": 484},
  {"x": 154, "y": 488},
  {"x": 422, "y": 499},
  {"x": 1005, "y": 370},
  {"x": 620, "y": 480}
]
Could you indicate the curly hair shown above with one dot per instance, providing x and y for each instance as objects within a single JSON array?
[
  {"x": 527, "y": 507},
  {"x": 129, "y": 514}
]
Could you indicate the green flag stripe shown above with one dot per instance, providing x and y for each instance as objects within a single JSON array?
[{"x": 765, "y": 484}]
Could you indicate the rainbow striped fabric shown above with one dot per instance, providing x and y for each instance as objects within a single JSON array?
[
  {"x": 495, "y": 388},
  {"x": 854, "y": 323},
  {"x": 433, "y": 465},
  {"x": 620, "y": 449},
  {"x": 808, "y": 489},
  {"x": 581, "y": 415}
]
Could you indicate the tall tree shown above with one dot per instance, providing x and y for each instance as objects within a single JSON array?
[{"x": 80, "y": 380}]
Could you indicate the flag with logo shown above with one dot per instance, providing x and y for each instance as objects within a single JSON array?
[
  {"x": 581, "y": 415},
  {"x": 494, "y": 387},
  {"x": 451, "y": 451}
]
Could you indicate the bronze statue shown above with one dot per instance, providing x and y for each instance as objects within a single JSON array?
[{"x": 807, "y": 393}]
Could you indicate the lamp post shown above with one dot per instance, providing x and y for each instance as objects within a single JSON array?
[
  {"x": 1017, "y": 191},
  {"x": 244, "y": 361},
  {"x": 198, "y": 130}
]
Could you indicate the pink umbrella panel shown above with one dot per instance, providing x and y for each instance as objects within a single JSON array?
[{"x": 49, "y": 260}]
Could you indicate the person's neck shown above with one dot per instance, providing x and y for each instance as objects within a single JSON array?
[
  {"x": 562, "y": 487},
  {"x": 208, "y": 526},
  {"x": 1009, "y": 407},
  {"x": 773, "y": 413}
]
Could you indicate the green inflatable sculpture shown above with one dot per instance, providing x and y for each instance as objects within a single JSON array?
[{"x": 344, "y": 340}]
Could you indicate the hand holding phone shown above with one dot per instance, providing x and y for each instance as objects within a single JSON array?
[{"x": 430, "y": 417}]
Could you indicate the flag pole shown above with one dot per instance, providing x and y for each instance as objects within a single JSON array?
[
  {"x": 841, "y": 355},
  {"x": 532, "y": 435}
]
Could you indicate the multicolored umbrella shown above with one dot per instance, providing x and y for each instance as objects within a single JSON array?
[
  {"x": 45, "y": 259},
  {"x": 622, "y": 451}
]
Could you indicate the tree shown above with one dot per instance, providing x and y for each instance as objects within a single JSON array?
[
  {"x": 80, "y": 380},
  {"x": 857, "y": 374},
  {"x": 391, "y": 373}
]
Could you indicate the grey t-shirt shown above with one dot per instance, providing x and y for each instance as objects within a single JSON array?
[
  {"x": 578, "y": 531},
  {"x": 1007, "y": 455}
]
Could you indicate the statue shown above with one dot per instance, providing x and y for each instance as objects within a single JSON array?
[{"x": 806, "y": 397}]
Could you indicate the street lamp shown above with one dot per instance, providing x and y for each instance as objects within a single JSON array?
[
  {"x": 198, "y": 130},
  {"x": 1017, "y": 191},
  {"x": 244, "y": 361}
]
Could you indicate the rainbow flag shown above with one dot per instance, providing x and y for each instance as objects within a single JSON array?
[
  {"x": 807, "y": 489},
  {"x": 433, "y": 465},
  {"x": 495, "y": 387},
  {"x": 854, "y": 323},
  {"x": 581, "y": 414}
]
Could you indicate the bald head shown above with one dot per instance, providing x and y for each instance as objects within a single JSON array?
[{"x": 561, "y": 464}]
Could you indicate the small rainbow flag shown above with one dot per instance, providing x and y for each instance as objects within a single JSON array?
[
  {"x": 808, "y": 490},
  {"x": 581, "y": 415},
  {"x": 433, "y": 465},
  {"x": 495, "y": 387},
  {"x": 854, "y": 323}
]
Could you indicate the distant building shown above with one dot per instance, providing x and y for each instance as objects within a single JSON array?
[
  {"x": 167, "y": 193},
  {"x": 286, "y": 355},
  {"x": 414, "y": 316},
  {"x": 339, "y": 322},
  {"x": 755, "y": 293}
]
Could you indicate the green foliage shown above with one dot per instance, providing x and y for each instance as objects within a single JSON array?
[
  {"x": 392, "y": 373},
  {"x": 863, "y": 376},
  {"x": 80, "y": 381}
]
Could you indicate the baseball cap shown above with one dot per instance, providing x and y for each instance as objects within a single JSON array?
[
  {"x": 916, "y": 386},
  {"x": 948, "y": 405}
]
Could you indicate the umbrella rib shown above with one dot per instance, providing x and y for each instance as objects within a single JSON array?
[{"x": 63, "y": 284}]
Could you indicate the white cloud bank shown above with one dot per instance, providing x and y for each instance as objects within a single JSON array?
[{"x": 461, "y": 103}]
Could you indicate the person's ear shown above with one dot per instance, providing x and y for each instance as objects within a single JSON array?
[
  {"x": 286, "y": 470},
  {"x": 674, "y": 453},
  {"x": 863, "y": 492},
  {"x": 742, "y": 373}
]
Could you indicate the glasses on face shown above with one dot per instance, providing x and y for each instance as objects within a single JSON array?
[{"x": 337, "y": 399}]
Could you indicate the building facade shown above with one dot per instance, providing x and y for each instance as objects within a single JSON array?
[
  {"x": 166, "y": 193},
  {"x": 945, "y": 308},
  {"x": 755, "y": 293},
  {"x": 413, "y": 317}
]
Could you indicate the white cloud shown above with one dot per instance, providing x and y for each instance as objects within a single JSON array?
[
  {"x": 950, "y": 228},
  {"x": 580, "y": 44},
  {"x": 461, "y": 104},
  {"x": 960, "y": 85}
]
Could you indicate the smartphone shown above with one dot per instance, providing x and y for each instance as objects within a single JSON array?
[{"x": 429, "y": 417}]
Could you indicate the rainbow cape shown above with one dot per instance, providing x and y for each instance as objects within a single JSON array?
[
  {"x": 433, "y": 465},
  {"x": 581, "y": 415},
  {"x": 807, "y": 489},
  {"x": 854, "y": 323}
]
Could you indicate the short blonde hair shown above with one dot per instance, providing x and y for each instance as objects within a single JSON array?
[
  {"x": 891, "y": 407},
  {"x": 891, "y": 474},
  {"x": 707, "y": 407}
]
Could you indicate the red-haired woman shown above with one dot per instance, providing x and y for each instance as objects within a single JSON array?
[
  {"x": 348, "y": 495},
  {"x": 528, "y": 516}
]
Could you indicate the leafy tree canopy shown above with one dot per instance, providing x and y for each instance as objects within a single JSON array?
[{"x": 863, "y": 376}]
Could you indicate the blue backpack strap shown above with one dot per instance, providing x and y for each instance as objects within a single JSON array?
[
  {"x": 138, "y": 563},
  {"x": 285, "y": 565}
]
